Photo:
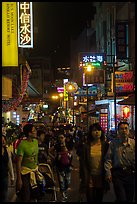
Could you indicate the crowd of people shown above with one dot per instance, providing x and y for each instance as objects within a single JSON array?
[{"x": 101, "y": 161}]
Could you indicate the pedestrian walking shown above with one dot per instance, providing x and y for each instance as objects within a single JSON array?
[
  {"x": 43, "y": 148},
  {"x": 7, "y": 169},
  {"x": 63, "y": 166},
  {"x": 28, "y": 175},
  {"x": 120, "y": 164},
  {"x": 92, "y": 156}
]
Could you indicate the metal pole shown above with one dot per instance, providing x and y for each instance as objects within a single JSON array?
[
  {"x": 114, "y": 91},
  {"x": 87, "y": 99},
  {"x": 73, "y": 109}
]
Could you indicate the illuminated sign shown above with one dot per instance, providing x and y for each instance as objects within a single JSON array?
[
  {"x": 126, "y": 76},
  {"x": 65, "y": 94},
  {"x": 95, "y": 59},
  {"x": 124, "y": 81},
  {"x": 126, "y": 111},
  {"x": 25, "y": 25},
  {"x": 92, "y": 91},
  {"x": 9, "y": 34},
  {"x": 60, "y": 89},
  {"x": 124, "y": 87},
  {"x": 104, "y": 121}
]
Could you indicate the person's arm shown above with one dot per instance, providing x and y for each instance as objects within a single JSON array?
[{"x": 108, "y": 163}]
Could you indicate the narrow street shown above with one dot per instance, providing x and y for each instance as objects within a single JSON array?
[{"x": 73, "y": 191}]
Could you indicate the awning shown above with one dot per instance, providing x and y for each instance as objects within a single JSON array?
[{"x": 128, "y": 101}]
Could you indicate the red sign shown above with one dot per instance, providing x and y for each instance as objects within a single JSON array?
[
  {"x": 104, "y": 121},
  {"x": 124, "y": 87},
  {"x": 126, "y": 111},
  {"x": 124, "y": 81},
  {"x": 126, "y": 76}
]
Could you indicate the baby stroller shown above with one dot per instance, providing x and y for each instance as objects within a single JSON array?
[{"x": 50, "y": 188}]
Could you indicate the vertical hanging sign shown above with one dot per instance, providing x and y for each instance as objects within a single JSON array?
[
  {"x": 9, "y": 34},
  {"x": 25, "y": 25},
  {"x": 65, "y": 93},
  {"x": 121, "y": 40}
]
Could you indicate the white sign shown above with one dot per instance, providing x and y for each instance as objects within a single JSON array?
[{"x": 25, "y": 25}]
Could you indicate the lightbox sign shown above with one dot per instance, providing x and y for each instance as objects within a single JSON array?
[
  {"x": 124, "y": 87},
  {"x": 96, "y": 59},
  {"x": 124, "y": 81},
  {"x": 9, "y": 34},
  {"x": 25, "y": 25},
  {"x": 126, "y": 76},
  {"x": 60, "y": 89},
  {"x": 65, "y": 93}
]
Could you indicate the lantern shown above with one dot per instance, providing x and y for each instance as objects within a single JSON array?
[{"x": 126, "y": 111}]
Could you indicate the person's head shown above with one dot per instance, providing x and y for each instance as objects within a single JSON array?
[
  {"x": 95, "y": 132},
  {"x": 123, "y": 129},
  {"x": 61, "y": 138},
  {"x": 41, "y": 135},
  {"x": 30, "y": 131}
]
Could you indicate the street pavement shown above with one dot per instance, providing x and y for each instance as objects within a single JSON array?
[{"x": 73, "y": 191}]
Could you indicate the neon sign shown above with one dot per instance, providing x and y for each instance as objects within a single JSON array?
[
  {"x": 96, "y": 59},
  {"x": 60, "y": 89},
  {"x": 25, "y": 25}
]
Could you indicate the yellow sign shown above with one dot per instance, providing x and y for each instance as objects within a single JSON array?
[
  {"x": 9, "y": 34},
  {"x": 65, "y": 94}
]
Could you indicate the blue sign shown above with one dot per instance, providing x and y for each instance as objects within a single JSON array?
[
  {"x": 88, "y": 57},
  {"x": 92, "y": 91}
]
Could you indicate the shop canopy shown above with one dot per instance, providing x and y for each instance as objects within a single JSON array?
[{"x": 128, "y": 101}]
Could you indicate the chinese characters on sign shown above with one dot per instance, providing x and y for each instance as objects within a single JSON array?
[
  {"x": 104, "y": 121},
  {"x": 121, "y": 40},
  {"x": 124, "y": 81},
  {"x": 90, "y": 58},
  {"x": 25, "y": 25}
]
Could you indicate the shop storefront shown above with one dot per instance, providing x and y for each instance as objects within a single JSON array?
[{"x": 106, "y": 113}]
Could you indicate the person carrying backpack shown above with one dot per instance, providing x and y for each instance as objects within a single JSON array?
[{"x": 63, "y": 166}]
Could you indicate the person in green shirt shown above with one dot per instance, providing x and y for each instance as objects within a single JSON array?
[{"x": 27, "y": 163}]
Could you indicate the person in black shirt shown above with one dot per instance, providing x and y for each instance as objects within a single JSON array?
[
  {"x": 7, "y": 169},
  {"x": 43, "y": 148}
]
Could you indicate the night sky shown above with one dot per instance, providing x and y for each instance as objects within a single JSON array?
[{"x": 57, "y": 23}]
